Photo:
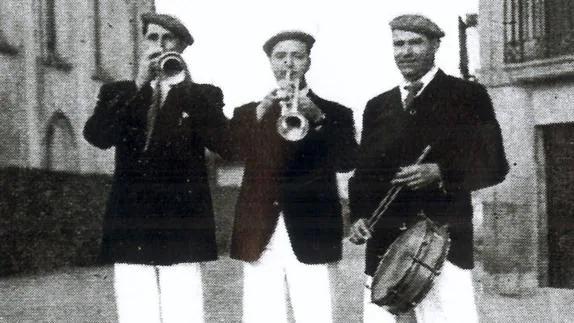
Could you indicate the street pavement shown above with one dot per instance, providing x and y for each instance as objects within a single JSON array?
[{"x": 86, "y": 295}]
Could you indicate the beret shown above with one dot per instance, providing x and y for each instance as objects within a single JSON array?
[
  {"x": 168, "y": 22},
  {"x": 418, "y": 24},
  {"x": 288, "y": 35}
]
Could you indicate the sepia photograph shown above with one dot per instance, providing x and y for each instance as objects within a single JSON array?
[{"x": 166, "y": 161}]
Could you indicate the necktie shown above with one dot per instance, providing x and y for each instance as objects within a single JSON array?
[
  {"x": 152, "y": 114},
  {"x": 412, "y": 89}
]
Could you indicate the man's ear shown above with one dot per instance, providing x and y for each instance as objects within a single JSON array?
[
  {"x": 308, "y": 65},
  {"x": 181, "y": 46},
  {"x": 436, "y": 44}
]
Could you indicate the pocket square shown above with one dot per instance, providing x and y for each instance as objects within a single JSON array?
[{"x": 184, "y": 116}]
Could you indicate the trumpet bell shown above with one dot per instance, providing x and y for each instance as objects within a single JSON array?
[
  {"x": 171, "y": 63},
  {"x": 293, "y": 126}
]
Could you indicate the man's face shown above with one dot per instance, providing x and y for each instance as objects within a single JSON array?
[
  {"x": 414, "y": 53},
  {"x": 160, "y": 40},
  {"x": 290, "y": 55}
]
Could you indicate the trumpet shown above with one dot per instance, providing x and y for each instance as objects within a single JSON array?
[
  {"x": 171, "y": 63},
  {"x": 292, "y": 125},
  {"x": 168, "y": 63}
]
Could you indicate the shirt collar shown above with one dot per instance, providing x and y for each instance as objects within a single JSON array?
[
  {"x": 425, "y": 80},
  {"x": 169, "y": 81}
]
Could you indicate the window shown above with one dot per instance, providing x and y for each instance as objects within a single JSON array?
[
  {"x": 51, "y": 26},
  {"x": 10, "y": 28},
  {"x": 56, "y": 43},
  {"x": 538, "y": 29},
  {"x": 99, "y": 71}
]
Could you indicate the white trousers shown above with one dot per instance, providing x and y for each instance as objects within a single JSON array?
[
  {"x": 450, "y": 300},
  {"x": 264, "y": 294},
  {"x": 158, "y": 294}
]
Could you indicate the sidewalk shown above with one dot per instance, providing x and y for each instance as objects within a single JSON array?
[{"x": 86, "y": 295}]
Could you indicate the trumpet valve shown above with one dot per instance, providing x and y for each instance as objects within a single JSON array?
[{"x": 292, "y": 125}]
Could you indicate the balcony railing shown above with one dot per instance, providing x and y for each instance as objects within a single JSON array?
[{"x": 538, "y": 29}]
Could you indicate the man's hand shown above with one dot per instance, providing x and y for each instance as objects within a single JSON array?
[
  {"x": 147, "y": 67},
  {"x": 265, "y": 104},
  {"x": 360, "y": 232},
  {"x": 283, "y": 93},
  {"x": 417, "y": 176},
  {"x": 311, "y": 111}
]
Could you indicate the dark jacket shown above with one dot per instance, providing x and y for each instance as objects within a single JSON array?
[
  {"x": 457, "y": 119},
  {"x": 298, "y": 178},
  {"x": 159, "y": 210}
]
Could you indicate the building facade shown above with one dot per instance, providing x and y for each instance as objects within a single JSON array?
[
  {"x": 527, "y": 64},
  {"x": 54, "y": 56}
]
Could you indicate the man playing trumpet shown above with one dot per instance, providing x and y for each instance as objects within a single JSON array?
[
  {"x": 159, "y": 222},
  {"x": 288, "y": 223}
]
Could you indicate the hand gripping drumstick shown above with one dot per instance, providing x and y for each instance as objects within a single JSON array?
[{"x": 391, "y": 195}]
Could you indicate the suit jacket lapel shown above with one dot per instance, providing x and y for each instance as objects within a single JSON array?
[
  {"x": 432, "y": 93},
  {"x": 390, "y": 121},
  {"x": 391, "y": 106},
  {"x": 175, "y": 96},
  {"x": 140, "y": 105}
]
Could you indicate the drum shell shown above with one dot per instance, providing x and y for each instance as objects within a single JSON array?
[{"x": 408, "y": 268}]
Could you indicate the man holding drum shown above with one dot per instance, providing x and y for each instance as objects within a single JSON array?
[
  {"x": 456, "y": 119},
  {"x": 288, "y": 223}
]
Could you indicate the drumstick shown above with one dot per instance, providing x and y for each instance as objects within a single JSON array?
[{"x": 391, "y": 194}]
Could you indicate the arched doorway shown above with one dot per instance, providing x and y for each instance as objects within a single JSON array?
[{"x": 61, "y": 145}]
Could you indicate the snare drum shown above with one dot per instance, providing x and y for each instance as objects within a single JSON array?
[{"x": 408, "y": 268}]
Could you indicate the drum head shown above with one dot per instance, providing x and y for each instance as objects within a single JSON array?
[{"x": 396, "y": 261}]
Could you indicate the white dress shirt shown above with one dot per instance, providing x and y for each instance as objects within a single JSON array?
[
  {"x": 167, "y": 83},
  {"x": 425, "y": 80}
]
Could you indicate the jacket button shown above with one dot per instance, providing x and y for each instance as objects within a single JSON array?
[
  {"x": 275, "y": 204},
  {"x": 403, "y": 226}
]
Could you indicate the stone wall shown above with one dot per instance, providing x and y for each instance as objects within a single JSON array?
[
  {"x": 54, "y": 219},
  {"x": 95, "y": 42},
  {"x": 527, "y": 96}
]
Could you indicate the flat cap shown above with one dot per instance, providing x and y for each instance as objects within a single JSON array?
[
  {"x": 288, "y": 35},
  {"x": 168, "y": 22},
  {"x": 418, "y": 24}
]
